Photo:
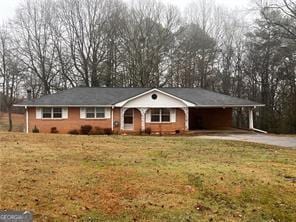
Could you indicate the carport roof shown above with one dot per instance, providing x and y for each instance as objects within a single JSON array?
[{"x": 84, "y": 96}]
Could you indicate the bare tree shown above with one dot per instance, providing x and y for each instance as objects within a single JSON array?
[
  {"x": 86, "y": 26},
  {"x": 148, "y": 35},
  {"x": 10, "y": 72},
  {"x": 33, "y": 35},
  {"x": 281, "y": 14}
]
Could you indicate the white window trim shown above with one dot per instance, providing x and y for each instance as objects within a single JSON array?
[
  {"x": 52, "y": 117},
  {"x": 160, "y": 116},
  {"x": 95, "y": 113}
]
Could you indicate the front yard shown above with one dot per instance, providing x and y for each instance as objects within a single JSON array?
[{"x": 123, "y": 178}]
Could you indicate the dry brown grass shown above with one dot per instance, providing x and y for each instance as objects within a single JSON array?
[{"x": 117, "y": 178}]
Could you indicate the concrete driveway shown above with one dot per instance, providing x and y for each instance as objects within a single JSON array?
[{"x": 284, "y": 141}]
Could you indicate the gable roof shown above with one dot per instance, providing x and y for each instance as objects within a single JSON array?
[
  {"x": 84, "y": 96},
  {"x": 155, "y": 90}
]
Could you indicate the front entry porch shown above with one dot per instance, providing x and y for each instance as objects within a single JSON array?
[{"x": 154, "y": 119}]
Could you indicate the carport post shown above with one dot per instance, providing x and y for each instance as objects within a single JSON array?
[
  {"x": 251, "y": 119},
  {"x": 27, "y": 120}
]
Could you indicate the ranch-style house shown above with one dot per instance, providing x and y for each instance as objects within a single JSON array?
[{"x": 132, "y": 110}]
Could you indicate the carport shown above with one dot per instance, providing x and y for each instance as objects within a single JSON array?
[{"x": 210, "y": 118}]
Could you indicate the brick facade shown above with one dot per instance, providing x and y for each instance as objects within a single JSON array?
[
  {"x": 170, "y": 127},
  {"x": 210, "y": 119},
  {"x": 65, "y": 125}
]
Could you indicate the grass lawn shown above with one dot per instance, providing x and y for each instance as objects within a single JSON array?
[{"x": 122, "y": 178}]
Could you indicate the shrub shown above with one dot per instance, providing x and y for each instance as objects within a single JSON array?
[
  {"x": 108, "y": 131},
  {"x": 74, "y": 132},
  {"x": 54, "y": 130},
  {"x": 97, "y": 131},
  {"x": 35, "y": 130},
  {"x": 85, "y": 130},
  {"x": 148, "y": 131}
]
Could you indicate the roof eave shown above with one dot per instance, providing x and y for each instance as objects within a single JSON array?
[
  {"x": 33, "y": 105},
  {"x": 229, "y": 106}
]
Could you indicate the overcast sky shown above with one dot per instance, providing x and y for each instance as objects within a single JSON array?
[{"x": 7, "y": 7}]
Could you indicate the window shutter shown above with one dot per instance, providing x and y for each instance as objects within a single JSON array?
[
  {"x": 173, "y": 115},
  {"x": 107, "y": 113},
  {"x": 65, "y": 113},
  {"x": 38, "y": 113},
  {"x": 148, "y": 116},
  {"x": 82, "y": 113}
]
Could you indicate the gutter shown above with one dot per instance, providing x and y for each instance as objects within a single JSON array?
[{"x": 18, "y": 105}]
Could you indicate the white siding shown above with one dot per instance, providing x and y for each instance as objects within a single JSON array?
[{"x": 162, "y": 101}]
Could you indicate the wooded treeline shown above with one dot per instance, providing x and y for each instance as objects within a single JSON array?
[{"x": 51, "y": 45}]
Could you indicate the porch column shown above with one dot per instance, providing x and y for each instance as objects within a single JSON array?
[
  {"x": 122, "y": 111},
  {"x": 186, "y": 111},
  {"x": 251, "y": 119},
  {"x": 143, "y": 113}
]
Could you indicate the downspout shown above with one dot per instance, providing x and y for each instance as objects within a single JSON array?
[
  {"x": 251, "y": 121},
  {"x": 112, "y": 124}
]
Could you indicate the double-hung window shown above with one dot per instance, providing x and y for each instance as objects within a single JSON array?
[
  {"x": 95, "y": 112},
  {"x": 160, "y": 115},
  {"x": 46, "y": 113},
  {"x": 100, "y": 112},
  {"x": 165, "y": 115},
  {"x": 52, "y": 113},
  {"x": 90, "y": 112},
  {"x": 57, "y": 113}
]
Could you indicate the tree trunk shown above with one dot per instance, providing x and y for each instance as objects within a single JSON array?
[{"x": 9, "y": 119}]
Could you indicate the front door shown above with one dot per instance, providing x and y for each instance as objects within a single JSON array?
[{"x": 129, "y": 119}]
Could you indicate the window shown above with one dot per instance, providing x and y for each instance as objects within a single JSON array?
[
  {"x": 95, "y": 112},
  {"x": 160, "y": 115},
  {"x": 57, "y": 113},
  {"x": 154, "y": 96},
  {"x": 52, "y": 113},
  {"x": 90, "y": 112},
  {"x": 155, "y": 115},
  {"x": 100, "y": 112},
  {"x": 46, "y": 112},
  {"x": 129, "y": 116},
  {"x": 165, "y": 115}
]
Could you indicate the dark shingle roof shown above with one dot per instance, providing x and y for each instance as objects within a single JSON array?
[
  {"x": 109, "y": 96},
  {"x": 202, "y": 97}
]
